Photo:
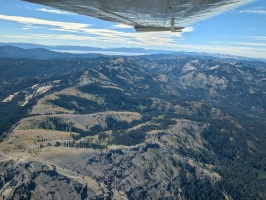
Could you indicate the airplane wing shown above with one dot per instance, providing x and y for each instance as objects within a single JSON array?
[{"x": 147, "y": 15}]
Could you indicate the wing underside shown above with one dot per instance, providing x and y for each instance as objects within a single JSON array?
[{"x": 147, "y": 15}]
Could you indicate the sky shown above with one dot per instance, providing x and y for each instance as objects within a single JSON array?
[{"x": 241, "y": 31}]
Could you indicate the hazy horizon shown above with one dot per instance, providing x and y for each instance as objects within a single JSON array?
[{"x": 236, "y": 32}]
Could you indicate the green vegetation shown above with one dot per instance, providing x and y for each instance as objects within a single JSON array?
[
  {"x": 78, "y": 104},
  {"x": 117, "y": 99}
]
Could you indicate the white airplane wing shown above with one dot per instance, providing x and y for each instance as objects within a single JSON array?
[{"x": 147, "y": 15}]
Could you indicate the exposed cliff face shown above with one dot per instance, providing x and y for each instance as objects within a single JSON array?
[
  {"x": 128, "y": 128},
  {"x": 36, "y": 180}
]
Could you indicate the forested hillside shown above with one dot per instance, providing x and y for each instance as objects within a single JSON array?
[{"x": 176, "y": 127}]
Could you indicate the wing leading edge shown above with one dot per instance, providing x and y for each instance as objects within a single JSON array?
[{"x": 147, "y": 15}]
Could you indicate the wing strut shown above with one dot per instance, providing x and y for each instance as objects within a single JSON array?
[{"x": 172, "y": 24}]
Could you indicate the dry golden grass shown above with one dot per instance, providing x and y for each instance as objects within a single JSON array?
[
  {"x": 28, "y": 141},
  {"x": 83, "y": 121}
]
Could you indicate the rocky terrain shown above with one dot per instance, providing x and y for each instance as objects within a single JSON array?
[{"x": 177, "y": 127}]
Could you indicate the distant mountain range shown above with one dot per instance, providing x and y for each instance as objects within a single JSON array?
[
  {"x": 122, "y": 51},
  {"x": 88, "y": 52},
  {"x": 39, "y": 53}
]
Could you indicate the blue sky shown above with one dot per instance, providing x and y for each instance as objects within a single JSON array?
[{"x": 237, "y": 32}]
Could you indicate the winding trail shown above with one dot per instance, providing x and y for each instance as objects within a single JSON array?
[{"x": 8, "y": 157}]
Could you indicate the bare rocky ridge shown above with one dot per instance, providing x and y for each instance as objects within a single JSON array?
[{"x": 145, "y": 171}]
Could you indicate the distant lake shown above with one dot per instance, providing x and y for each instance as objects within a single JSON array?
[{"x": 110, "y": 53}]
